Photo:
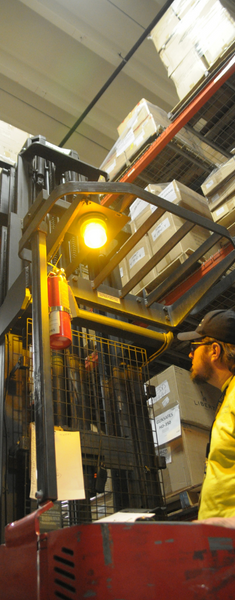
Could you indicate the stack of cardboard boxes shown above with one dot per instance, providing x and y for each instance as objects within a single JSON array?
[
  {"x": 141, "y": 126},
  {"x": 219, "y": 188},
  {"x": 181, "y": 414},
  {"x": 162, "y": 231},
  {"x": 191, "y": 37}
]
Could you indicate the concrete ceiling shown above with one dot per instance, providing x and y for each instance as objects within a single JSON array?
[{"x": 55, "y": 55}]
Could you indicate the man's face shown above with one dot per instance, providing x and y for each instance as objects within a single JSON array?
[{"x": 201, "y": 369}]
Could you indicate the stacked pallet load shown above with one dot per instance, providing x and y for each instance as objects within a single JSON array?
[
  {"x": 192, "y": 38},
  {"x": 219, "y": 189},
  {"x": 186, "y": 158},
  {"x": 176, "y": 193},
  {"x": 181, "y": 414}
]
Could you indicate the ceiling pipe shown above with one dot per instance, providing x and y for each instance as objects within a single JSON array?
[{"x": 117, "y": 71}]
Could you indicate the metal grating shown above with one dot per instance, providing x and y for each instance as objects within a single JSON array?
[
  {"x": 99, "y": 388},
  {"x": 215, "y": 121},
  {"x": 15, "y": 493},
  {"x": 174, "y": 162}
]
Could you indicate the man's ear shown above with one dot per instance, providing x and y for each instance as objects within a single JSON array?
[{"x": 216, "y": 350}]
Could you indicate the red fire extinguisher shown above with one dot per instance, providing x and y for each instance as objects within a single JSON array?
[{"x": 59, "y": 311}]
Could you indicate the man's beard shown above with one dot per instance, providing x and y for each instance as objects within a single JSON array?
[{"x": 204, "y": 376}]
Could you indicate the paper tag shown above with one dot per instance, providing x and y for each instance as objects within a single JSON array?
[
  {"x": 69, "y": 471},
  {"x": 166, "y": 452},
  {"x": 161, "y": 390},
  {"x": 168, "y": 193},
  {"x": 219, "y": 211},
  {"x": 168, "y": 425},
  {"x": 165, "y": 401},
  {"x": 209, "y": 184},
  {"x": 160, "y": 229},
  {"x": 108, "y": 297},
  {"x": 137, "y": 208},
  {"x": 121, "y": 271},
  {"x": 136, "y": 257},
  {"x": 54, "y": 322}
]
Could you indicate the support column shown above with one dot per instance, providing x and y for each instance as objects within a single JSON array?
[
  {"x": 2, "y": 388},
  {"x": 44, "y": 420}
]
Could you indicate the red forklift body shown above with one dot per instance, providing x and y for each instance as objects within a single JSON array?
[{"x": 117, "y": 561}]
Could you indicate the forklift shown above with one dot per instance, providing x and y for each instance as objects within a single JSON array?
[{"x": 88, "y": 380}]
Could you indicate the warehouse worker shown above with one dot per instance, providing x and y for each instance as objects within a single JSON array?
[{"x": 213, "y": 360}]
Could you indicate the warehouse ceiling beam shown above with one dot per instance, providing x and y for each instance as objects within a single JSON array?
[{"x": 125, "y": 60}]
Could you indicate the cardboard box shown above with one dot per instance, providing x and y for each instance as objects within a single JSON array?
[
  {"x": 168, "y": 224},
  {"x": 140, "y": 113},
  {"x": 217, "y": 29},
  {"x": 144, "y": 123},
  {"x": 124, "y": 273},
  {"x": 180, "y": 194},
  {"x": 224, "y": 192},
  {"x": 185, "y": 460},
  {"x": 198, "y": 33},
  {"x": 225, "y": 214},
  {"x": 197, "y": 402},
  {"x": 164, "y": 28},
  {"x": 218, "y": 176},
  {"x": 174, "y": 52},
  {"x": 163, "y": 231},
  {"x": 140, "y": 210},
  {"x": 136, "y": 259},
  {"x": 188, "y": 73}
]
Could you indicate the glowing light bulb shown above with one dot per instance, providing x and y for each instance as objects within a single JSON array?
[{"x": 93, "y": 231}]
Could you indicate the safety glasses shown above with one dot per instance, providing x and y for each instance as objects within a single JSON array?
[{"x": 195, "y": 345}]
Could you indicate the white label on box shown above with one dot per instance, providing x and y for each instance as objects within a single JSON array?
[
  {"x": 54, "y": 322},
  {"x": 219, "y": 211},
  {"x": 122, "y": 145},
  {"x": 160, "y": 229},
  {"x": 153, "y": 208},
  {"x": 166, "y": 452},
  {"x": 169, "y": 193},
  {"x": 121, "y": 271},
  {"x": 214, "y": 198},
  {"x": 137, "y": 208},
  {"x": 168, "y": 425},
  {"x": 161, "y": 390},
  {"x": 165, "y": 401},
  {"x": 136, "y": 257},
  {"x": 138, "y": 141},
  {"x": 209, "y": 184},
  {"x": 111, "y": 167}
]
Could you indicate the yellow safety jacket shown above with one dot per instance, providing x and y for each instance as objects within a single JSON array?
[{"x": 218, "y": 490}]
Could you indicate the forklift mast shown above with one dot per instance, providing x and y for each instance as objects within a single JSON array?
[{"x": 98, "y": 386}]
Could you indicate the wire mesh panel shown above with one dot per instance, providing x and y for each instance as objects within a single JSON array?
[
  {"x": 215, "y": 120},
  {"x": 15, "y": 492},
  {"x": 175, "y": 162},
  {"x": 99, "y": 388}
]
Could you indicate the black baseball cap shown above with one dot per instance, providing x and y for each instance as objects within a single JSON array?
[{"x": 217, "y": 324}]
